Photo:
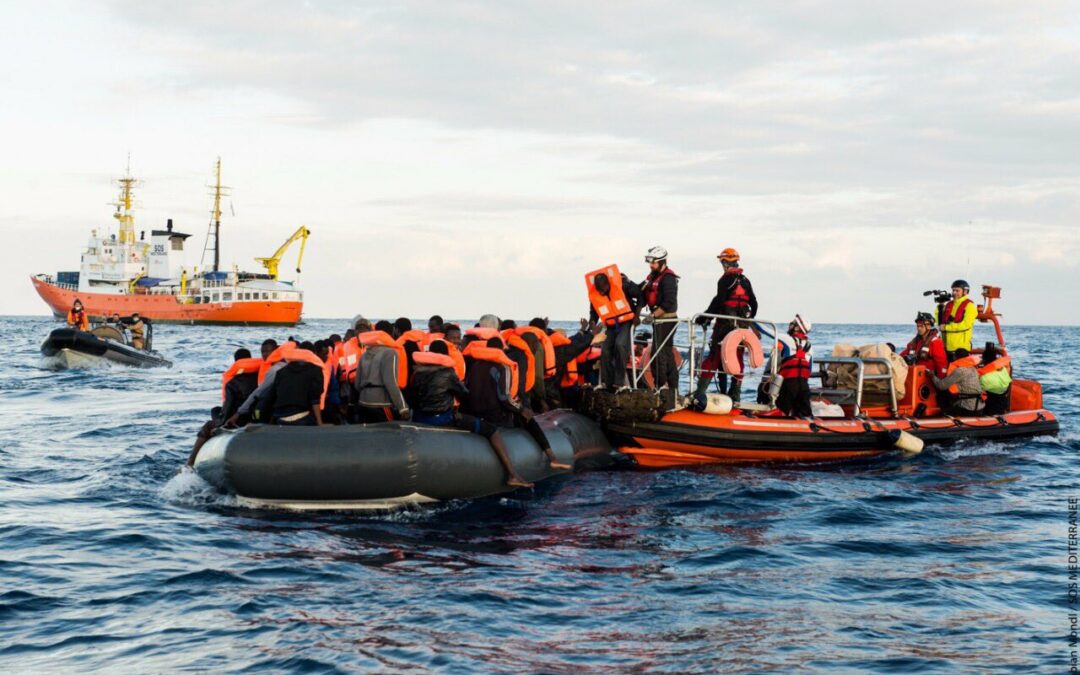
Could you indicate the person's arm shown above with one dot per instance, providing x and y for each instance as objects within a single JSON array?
[
  {"x": 667, "y": 302},
  {"x": 941, "y": 361},
  {"x": 718, "y": 300},
  {"x": 943, "y": 383},
  {"x": 752, "y": 299},
  {"x": 501, "y": 386},
  {"x": 389, "y": 378},
  {"x": 458, "y": 388}
]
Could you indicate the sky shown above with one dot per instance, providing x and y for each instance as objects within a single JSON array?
[{"x": 470, "y": 157}]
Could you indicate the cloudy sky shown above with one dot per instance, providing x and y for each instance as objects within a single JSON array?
[{"x": 462, "y": 158}]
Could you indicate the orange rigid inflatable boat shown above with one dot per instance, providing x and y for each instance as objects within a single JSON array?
[{"x": 869, "y": 426}]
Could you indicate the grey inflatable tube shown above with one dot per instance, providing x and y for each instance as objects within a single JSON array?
[{"x": 382, "y": 466}]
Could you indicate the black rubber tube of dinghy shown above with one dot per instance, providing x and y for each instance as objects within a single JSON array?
[{"x": 388, "y": 461}]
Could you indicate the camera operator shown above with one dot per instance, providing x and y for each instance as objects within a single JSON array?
[{"x": 956, "y": 320}]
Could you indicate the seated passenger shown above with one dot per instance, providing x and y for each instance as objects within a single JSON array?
[
  {"x": 563, "y": 388},
  {"x": 437, "y": 387},
  {"x": 299, "y": 387},
  {"x": 452, "y": 334},
  {"x": 381, "y": 377},
  {"x": 926, "y": 348},
  {"x": 995, "y": 380},
  {"x": 237, "y": 384},
  {"x": 962, "y": 386},
  {"x": 435, "y": 324},
  {"x": 138, "y": 331},
  {"x": 76, "y": 316}
]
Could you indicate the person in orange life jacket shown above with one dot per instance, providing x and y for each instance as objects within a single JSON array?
[
  {"x": 437, "y": 388},
  {"x": 435, "y": 324},
  {"x": 76, "y": 316},
  {"x": 361, "y": 325},
  {"x": 296, "y": 395},
  {"x": 734, "y": 297},
  {"x": 452, "y": 334},
  {"x": 236, "y": 391},
  {"x": 926, "y": 348},
  {"x": 256, "y": 405},
  {"x": 794, "y": 398},
  {"x": 562, "y": 389},
  {"x": 996, "y": 385},
  {"x": 965, "y": 377},
  {"x": 615, "y": 353},
  {"x": 331, "y": 410},
  {"x": 661, "y": 291},
  {"x": 379, "y": 389}
]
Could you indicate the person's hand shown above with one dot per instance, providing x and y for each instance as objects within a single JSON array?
[
  {"x": 527, "y": 414},
  {"x": 597, "y": 329},
  {"x": 584, "y": 325},
  {"x": 232, "y": 422}
]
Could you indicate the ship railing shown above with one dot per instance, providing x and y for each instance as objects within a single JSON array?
[
  {"x": 692, "y": 362},
  {"x": 854, "y": 396},
  {"x": 49, "y": 279}
]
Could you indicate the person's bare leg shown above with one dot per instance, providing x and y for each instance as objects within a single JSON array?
[
  {"x": 554, "y": 462},
  {"x": 513, "y": 479}
]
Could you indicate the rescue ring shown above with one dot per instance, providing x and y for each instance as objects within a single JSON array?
[{"x": 729, "y": 350}]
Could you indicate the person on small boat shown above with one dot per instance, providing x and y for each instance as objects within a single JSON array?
[
  {"x": 995, "y": 380},
  {"x": 926, "y": 348},
  {"x": 137, "y": 327},
  {"x": 76, "y": 316},
  {"x": 437, "y": 389},
  {"x": 734, "y": 297},
  {"x": 563, "y": 389},
  {"x": 615, "y": 352},
  {"x": 661, "y": 290},
  {"x": 297, "y": 394},
  {"x": 957, "y": 320},
  {"x": 961, "y": 387},
  {"x": 794, "y": 397},
  {"x": 116, "y": 322},
  {"x": 379, "y": 392},
  {"x": 452, "y": 334},
  {"x": 435, "y": 324},
  {"x": 331, "y": 408},
  {"x": 238, "y": 382}
]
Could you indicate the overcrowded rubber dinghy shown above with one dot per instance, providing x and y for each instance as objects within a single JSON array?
[
  {"x": 388, "y": 465},
  {"x": 869, "y": 403},
  {"x": 72, "y": 348}
]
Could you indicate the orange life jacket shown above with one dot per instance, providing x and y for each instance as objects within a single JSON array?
[
  {"x": 241, "y": 367},
  {"x": 377, "y": 338},
  {"x": 571, "y": 376},
  {"x": 455, "y": 356},
  {"x": 78, "y": 320},
  {"x": 512, "y": 339},
  {"x": 479, "y": 352},
  {"x": 415, "y": 335},
  {"x": 295, "y": 355},
  {"x": 966, "y": 362},
  {"x": 433, "y": 359},
  {"x": 1000, "y": 363},
  {"x": 430, "y": 337},
  {"x": 274, "y": 357},
  {"x": 351, "y": 351},
  {"x": 613, "y": 308},
  {"x": 482, "y": 333},
  {"x": 590, "y": 354},
  {"x": 954, "y": 311},
  {"x": 545, "y": 342},
  {"x": 338, "y": 355}
]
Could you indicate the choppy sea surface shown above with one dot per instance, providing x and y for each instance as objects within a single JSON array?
[{"x": 955, "y": 560}]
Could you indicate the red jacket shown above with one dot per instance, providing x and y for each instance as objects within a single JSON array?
[{"x": 929, "y": 352}]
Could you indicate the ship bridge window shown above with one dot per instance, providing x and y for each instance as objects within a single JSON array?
[{"x": 226, "y": 296}]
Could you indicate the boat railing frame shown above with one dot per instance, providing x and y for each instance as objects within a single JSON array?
[
  {"x": 691, "y": 324},
  {"x": 861, "y": 378}
]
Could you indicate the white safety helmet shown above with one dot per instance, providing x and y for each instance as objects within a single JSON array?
[
  {"x": 800, "y": 324},
  {"x": 656, "y": 254}
]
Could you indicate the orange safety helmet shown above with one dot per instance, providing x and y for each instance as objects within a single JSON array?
[{"x": 729, "y": 255}]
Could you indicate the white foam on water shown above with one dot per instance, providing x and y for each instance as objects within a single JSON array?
[{"x": 188, "y": 488}]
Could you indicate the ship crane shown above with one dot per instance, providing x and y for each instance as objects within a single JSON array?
[{"x": 271, "y": 263}]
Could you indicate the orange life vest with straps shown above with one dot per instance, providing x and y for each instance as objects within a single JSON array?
[
  {"x": 545, "y": 342},
  {"x": 1000, "y": 363},
  {"x": 796, "y": 366},
  {"x": 571, "y": 376},
  {"x": 78, "y": 320},
  {"x": 415, "y": 335},
  {"x": 338, "y": 356},
  {"x": 652, "y": 286},
  {"x": 613, "y": 308},
  {"x": 377, "y": 338},
  {"x": 351, "y": 351},
  {"x": 455, "y": 356},
  {"x": 303, "y": 355},
  {"x": 433, "y": 359},
  {"x": 590, "y": 354},
  {"x": 241, "y": 367},
  {"x": 432, "y": 337},
  {"x": 274, "y": 357},
  {"x": 479, "y": 352},
  {"x": 955, "y": 311},
  {"x": 738, "y": 300},
  {"x": 482, "y": 333},
  {"x": 512, "y": 339},
  {"x": 966, "y": 362}
]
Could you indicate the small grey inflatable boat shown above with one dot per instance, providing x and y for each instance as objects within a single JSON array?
[
  {"x": 70, "y": 348},
  {"x": 386, "y": 466}
]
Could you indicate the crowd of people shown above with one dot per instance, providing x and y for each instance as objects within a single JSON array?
[{"x": 497, "y": 374}]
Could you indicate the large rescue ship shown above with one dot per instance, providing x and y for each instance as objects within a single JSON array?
[{"x": 121, "y": 274}]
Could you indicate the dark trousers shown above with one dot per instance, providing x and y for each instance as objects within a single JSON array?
[
  {"x": 663, "y": 366},
  {"x": 615, "y": 354},
  {"x": 794, "y": 398}
]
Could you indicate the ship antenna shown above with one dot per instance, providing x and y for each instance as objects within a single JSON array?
[
  {"x": 215, "y": 218},
  {"x": 125, "y": 206}
]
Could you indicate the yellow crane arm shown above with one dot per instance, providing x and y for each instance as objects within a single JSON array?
[{"x": 271, "y": 263}]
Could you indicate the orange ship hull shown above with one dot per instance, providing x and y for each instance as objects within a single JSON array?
[{"x": 168, "y": 308}]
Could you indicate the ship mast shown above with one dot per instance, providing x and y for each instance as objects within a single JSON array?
[
  {"x": 215, "y": 219},
  {"x": 124, "y": 207}
]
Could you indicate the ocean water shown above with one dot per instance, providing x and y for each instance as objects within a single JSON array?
[{"x": 955, "y": 560}]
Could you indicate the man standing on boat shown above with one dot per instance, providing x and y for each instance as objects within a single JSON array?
[
  {"x": 957, "y": 320},
  {"x": 735, "y": 298},
  {"x": 661, "y": 289}
]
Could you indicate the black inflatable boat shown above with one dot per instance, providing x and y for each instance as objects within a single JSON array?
[
  {"x": 386, "y": 466},
  {"x": 70, "y": 348}
]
